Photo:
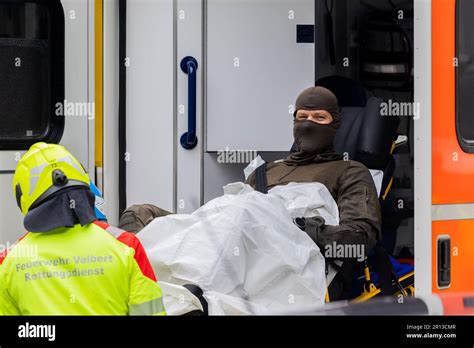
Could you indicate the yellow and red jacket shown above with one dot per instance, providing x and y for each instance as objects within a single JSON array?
[{"x": 95, "y": 269}]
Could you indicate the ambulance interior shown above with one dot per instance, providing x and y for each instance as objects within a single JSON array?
[
  {"x": 253, "y": 59},
  {"x": 378, "y": 36}
]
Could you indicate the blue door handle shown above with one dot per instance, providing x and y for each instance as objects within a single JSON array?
[{"x": 189, "y": 66}]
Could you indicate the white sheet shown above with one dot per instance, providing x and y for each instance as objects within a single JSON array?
[{"x": 244, "y": 250}]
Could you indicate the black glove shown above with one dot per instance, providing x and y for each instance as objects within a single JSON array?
[
  {"x": 313, "y": 226},
  {"x": 300, "y": 222}
]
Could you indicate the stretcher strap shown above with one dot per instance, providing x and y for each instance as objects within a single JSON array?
[
  {"x": 261, "y": 184},
  {"x": 385, "y": 270},
  {"x": 197, "y": 291}
]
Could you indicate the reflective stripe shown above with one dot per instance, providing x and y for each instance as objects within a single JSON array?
[
  {"x": 445, "y": 212},
  {"x": 114, "y": 231},
  {"x": 33, "y": 183},
  {"x": 37, "y": 170},
  {"x": 70, "y": 161},
  {"x": 147, "y": 308},
  {"x": 34, "y": 176}
]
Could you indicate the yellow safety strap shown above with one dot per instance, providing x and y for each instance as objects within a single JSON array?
[
  {"x": 394, "y": 145},
  {"x": 389, "y": 186}
]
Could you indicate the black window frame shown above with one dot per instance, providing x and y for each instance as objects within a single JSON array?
[
  {"x": 467, "y": 145},
  {"x": 55, "y": 128}
]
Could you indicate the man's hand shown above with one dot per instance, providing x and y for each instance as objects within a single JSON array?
[
  {"x": 311, "y": 226},
  {"x": 300, "y": 222}
]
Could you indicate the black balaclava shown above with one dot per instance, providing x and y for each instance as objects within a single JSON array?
[{"x": 315, "y": 142}]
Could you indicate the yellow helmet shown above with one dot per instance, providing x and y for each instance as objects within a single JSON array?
[{"x": 44, "y": 170}]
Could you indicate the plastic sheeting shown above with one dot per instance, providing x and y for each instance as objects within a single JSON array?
[{"x": 243, "y": 250}]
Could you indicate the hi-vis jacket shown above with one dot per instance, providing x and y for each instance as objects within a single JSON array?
[{"x": 92, "y": 270}]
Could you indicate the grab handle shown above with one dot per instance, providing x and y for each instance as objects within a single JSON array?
[
  {"x": 444, "y": 261},
  {"x": 189, "y": 66}
]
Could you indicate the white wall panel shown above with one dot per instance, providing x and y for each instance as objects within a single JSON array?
[
  {"x": 76, "y": 133},
  {"x": 255, "y": 71},
  {"x": 189, "y": 162},
  {"x": 150, "y": 103}
]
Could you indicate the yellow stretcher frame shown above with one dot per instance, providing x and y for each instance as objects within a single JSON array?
[{"x": 370, "y": 290}]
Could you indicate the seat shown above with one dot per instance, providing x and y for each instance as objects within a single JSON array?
[
  {"x": 365, "y": 135},
  {"x": 368, "y": 137}
]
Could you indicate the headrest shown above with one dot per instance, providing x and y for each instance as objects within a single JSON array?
[
  {"x": 367, "y": 136},
  {"x": 347, "y": 136}
]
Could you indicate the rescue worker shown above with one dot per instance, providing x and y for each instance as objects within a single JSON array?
[
  {"x": 316, "y": 120},
  {"x": 69, "y": 263}
]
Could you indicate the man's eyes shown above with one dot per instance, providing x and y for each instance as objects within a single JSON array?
[
  {"x": 320, "y": 118},
  {"x": 317, "y": 117}
]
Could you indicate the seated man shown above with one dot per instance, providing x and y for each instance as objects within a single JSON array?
[{"x": 317, "y": 118}]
